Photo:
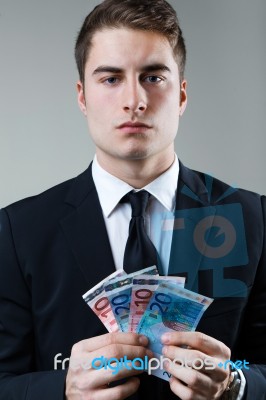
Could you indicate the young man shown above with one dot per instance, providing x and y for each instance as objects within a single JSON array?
[{"x": 53, "y": 247}]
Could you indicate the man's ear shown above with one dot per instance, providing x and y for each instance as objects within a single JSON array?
[
  {"x": 183, "y": 97},
  {"x": 81, "y": 98}
]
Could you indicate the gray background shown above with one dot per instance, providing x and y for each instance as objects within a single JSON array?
[{"x": 43, "y": 136}]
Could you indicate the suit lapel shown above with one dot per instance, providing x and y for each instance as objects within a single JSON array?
[
  {"x": 85, "y": 230},
  {"x": 191, "y": 200}
]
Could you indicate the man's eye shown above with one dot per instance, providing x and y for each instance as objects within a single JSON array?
[
  {"x": 153, "y": 79},
  {"x": 111, "y": 81}
]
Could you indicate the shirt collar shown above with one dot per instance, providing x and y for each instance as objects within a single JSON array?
[{"x": 111, "y": 189}]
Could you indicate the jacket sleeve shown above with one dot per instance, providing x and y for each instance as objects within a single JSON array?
[
  {"x": 18, "y": 379},
  {"x": 252, "y": 339}
]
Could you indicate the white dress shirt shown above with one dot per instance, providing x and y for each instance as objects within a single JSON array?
[{"x": 117, "y": 216}]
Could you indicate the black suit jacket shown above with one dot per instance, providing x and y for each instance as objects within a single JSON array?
[{"x": 54, "y": 247}]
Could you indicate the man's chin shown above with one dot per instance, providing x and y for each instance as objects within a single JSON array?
[{"x": 136, "y": 155}]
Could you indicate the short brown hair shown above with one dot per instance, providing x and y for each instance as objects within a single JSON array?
[{"x": 156, "y": 16}]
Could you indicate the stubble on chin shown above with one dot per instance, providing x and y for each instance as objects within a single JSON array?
[{"x": 138, "y": 148}]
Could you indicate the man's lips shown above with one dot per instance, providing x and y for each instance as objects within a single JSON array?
[
  {"x": 133, "y": 124},
  {"x": 133, "y": 127}
]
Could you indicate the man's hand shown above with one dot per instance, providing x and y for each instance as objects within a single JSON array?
[
  {"x": 83, "y": 382},
  {"x": 196, "y": 384}
]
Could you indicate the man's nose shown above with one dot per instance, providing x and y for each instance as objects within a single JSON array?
[{"x": 135, "y": 97}]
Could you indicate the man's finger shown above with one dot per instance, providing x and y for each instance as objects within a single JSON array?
[
  {"x": 119, "y": 392},
  {"x": 98, "y": 342},
  {"x": 114, "y": 352},
  {"x": 198, "y": 341},
  {"x": 184, "y": 392},
  {"x": 197, "y": 360},
  {"x": 113, "y": 372},
  {"x": 120, "y": 351},
  {"x": 195, "y": 380}
]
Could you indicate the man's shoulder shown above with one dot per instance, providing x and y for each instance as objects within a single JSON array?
[
  {"x": 201, "y": 189},
  {"x": 51, "y": 196},
  {"x": 53, "y": 201}
]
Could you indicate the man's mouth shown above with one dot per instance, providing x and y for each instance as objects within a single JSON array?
[{"x": 133, "y": 127}]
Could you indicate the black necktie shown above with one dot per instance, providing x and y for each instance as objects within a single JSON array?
[{"x": 140, "y": 251}]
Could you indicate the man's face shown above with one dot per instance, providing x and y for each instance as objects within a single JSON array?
[{"x": 132, "y": 97}]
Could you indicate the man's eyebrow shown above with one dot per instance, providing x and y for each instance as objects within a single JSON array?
[
  {"x": 106, "y": 68},
  {"x": 155, "y": 67},
  {"x": 116, "y": 70}
]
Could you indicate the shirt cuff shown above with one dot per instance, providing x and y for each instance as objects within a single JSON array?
[{"x": 242, "y": 385}]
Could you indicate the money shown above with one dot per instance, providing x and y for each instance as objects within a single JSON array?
[
  {"x": 171, "y": 308},
  {"x": 119, "y": 295},
  {"x": 148, "y": 304},
  {"x": 142, "y": 291},
  {"x": 98, "y": 301}
]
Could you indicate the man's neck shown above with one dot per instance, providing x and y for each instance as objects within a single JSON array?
[{"x": 137, "y": 173}]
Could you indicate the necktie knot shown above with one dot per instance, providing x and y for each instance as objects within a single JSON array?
[{"x": 138, "y": 201}]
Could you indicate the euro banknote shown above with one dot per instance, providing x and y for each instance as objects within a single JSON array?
[
  {"x": 98, "y": 301},
  {"x": 142, "y": 290},
  {"x": 171, "y": 308},
  {"x": 119, "y": 295}
]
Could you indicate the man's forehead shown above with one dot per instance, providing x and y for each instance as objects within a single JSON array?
[
  {"x": 124, "y": 39},
  {"x": 121, "y": 47}
]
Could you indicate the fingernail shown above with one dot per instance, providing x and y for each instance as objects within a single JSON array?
[
  {"x": 164, "y": 350},
  {"x": 143, "y": 340},
  {"x": 165, "y": 338}
]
